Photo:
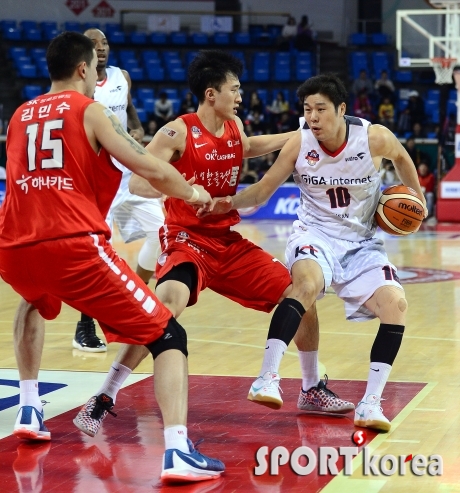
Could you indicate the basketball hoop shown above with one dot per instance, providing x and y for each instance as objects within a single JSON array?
[{"x": 443, "y": 68}]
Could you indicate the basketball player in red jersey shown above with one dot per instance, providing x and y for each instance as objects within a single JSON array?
[
  {"x": 55, "y": 241},
  {"x": 209, "y": 146}
]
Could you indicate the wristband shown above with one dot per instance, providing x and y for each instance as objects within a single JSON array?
[{"x": 195, "y": 196}]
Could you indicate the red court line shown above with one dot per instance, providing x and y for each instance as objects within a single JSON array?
[{"x": 126, "y": 455}]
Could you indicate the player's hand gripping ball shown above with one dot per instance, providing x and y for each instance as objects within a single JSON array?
[{"x": 400, "y": 210}]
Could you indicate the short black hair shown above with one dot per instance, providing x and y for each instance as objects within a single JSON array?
[
  {"x": 326, "y": 84},
  {"x": 210, "y": 68},
  {"x": 65, "y": 52}
]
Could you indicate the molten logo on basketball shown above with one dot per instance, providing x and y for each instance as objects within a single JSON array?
[{"x": 410, "y": 208}]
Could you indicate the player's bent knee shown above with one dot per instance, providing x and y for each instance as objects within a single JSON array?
[
  {"x": 402, "y": 305},
  {"x": 174, "y": 337}
]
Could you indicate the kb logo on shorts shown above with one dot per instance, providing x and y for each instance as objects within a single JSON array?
[{"x": 301, "y": 251}]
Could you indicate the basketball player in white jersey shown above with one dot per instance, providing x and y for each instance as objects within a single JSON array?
[
  {"x": 136, "y": 217},
  {"x": 335, "y": 160}
]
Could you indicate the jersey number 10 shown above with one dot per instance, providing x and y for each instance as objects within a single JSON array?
[{"x": 47, "y": 144}]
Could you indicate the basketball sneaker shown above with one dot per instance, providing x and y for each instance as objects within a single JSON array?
[
  {"x": 30, "y": 425},
  {"x": 179, "y": 466},
  {"x": 321, "y": 400},
  {"x": 266, "y": 390},
  {"x": 86, "y": 339},
  {"x": 92, "y": 414},
  {"x": 369, "y": 414}
]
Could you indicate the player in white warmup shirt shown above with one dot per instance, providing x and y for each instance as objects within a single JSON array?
[
  {"x": 136, "y": 217},
  {"x": 335, "y": 160}
]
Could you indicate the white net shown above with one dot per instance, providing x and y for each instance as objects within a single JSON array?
[{"x": 443, "y": 68}]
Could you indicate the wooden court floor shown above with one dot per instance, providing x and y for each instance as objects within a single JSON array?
[{"x": 227, "y": 340}]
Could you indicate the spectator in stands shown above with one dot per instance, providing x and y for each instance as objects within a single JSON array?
[
  {"x": 362, "y": 83},
  {"x": 404, "y": 122},
  {"x": 418, "y": 131},
  {"x": 276, "y": 109},
  {"x": 288, "y": 34},
  {"x": 163, "y": 110},
  {"x": 415, "y": 153},
  {"x": 387, "y": 113},
  {"x": 255, "y": 123},
  {"x": 428, "y": 184},
  {"x": 255, "y": 103},
  {"x": 187, "y": 105},
  {"x": 248, "y": 173},
  {"x": 388, "y": 174},
  {"x": 385, "y": 87},
  {"x": 152, "y": 128},
  {"x": 362, "y": 106},
  {"x": 304, "y": 41},
  {"x": 284, "y": 123},
  {"x": 416, "y": 108}
]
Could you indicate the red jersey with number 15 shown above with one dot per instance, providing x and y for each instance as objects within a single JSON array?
[
  {"x": 57, "y": 186},
  {"x": 216, "y": 164}
]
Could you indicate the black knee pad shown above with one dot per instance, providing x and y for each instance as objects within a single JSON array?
[
  {"x": 184, "y": 273},
  {"x": 174, "y": 337}
]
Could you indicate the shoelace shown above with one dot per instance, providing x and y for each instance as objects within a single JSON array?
[
  {"x": 328, "y": 391},
  {"x": 276, "y": 381},
  {"x": 89, "y": 333},
  {"x": 100, "y": 407}
]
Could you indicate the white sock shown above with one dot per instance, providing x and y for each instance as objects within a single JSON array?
[
  {"x": 114, "y": 380},
  {"x": 274, "y": 351},
  {"x": 310, "y": 369},
  {"x": 378, "y": 376},
  {"x": 176, "y": 437},
  {"x": 28, "y": 394}
]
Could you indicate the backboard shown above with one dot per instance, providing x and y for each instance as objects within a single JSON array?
[{"x": 422, "y": 35}]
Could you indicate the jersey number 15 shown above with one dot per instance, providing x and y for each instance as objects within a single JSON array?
[{"x": 47, "y": 144}]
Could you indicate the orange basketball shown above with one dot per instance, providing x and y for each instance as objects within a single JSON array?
[{"x": 399, "y": 211}]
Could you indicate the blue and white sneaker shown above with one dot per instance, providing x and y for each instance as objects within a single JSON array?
[
  {"x": 29, "y": 424},
  {"x": 194, "y": 466}
]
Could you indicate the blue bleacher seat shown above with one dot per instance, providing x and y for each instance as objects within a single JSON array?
[
  {"x": 169, "y": 55},
  {"x": 433, "y": 94},
  {"x": 177, "y": 74},
  {"x": 142, "y": 115},
  {"x": 6, "y": 23},
  {"x": 200, "y": 39},
  {"x": 49, "y": 34},
  {"x": 379, "y": 39},
  {"x": 358, "y": 62},
  {"x": 91, "y": 25},
  {"x": 303, "y": 72},
  {"x": 37, "y": 53},
  {"x": 112, "y": 59},
  {"x": 16, "y": 51},
  {"x": 48, "y": 25},
  {"x": 158, "y": 38},
  {"x": 358, "y": 39},
  {"x": 27, "y": 70},
  {"x": 150, "y": 55},
  {"x": 176, "y": 105},
  {"x": 72, "y": 26},
  {"x": 28, "y": 24},
  {"x": 138, "y": 38},
  {"x": 261, "y": 75},
  {"x": 117, "y": 37},
  {"x": 432, "y": 110},
  {"x": 22, "y": 60},
  {"x": 31, "y": 91},
  {"x": 451, "y": 107},
  {"x": 221, "y": 38},
  {"x": 32, "y": 34},
  {"x": 178, "y": 38},
  {"x": 453, "y": 94},
  {"x": 12, "y": 34},
  {"x": 153, "y": 65},
  {"x": 156, "y": 73},
  {"x": 145, "y": 93},
  {"x": 189, "y": 56},
  {"x": 42, "y": 67},
  {"x": 381, "y": 61},
  {"x": 171, "y": 92},
  {"x": 110, "y": 27},
  {"x": 282, "y": 72},
  {"x": 242, "y": 38},
  {"x": 148, "y": 104},
  {"x": 402, "y": 76},
  {"x": 136, "y": 73}
]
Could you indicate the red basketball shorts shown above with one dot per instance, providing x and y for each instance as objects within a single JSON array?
[
  {"x": 228, "y": 264},
  {"x": 86, "y": 273}
]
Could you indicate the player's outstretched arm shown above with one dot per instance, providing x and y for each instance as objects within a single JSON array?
[
  {"x": 160, "y": 174},
  {"x": 258, "y": 145},
  {"x": 384, "y": 144}
]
